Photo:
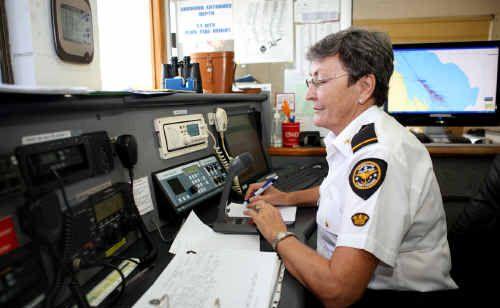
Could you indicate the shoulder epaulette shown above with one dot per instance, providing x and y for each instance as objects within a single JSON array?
[{"x": 364, "y": 137}]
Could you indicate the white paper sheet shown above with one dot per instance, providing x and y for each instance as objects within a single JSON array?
[
  {"x": 194, "y": 235},
  {"x": 142, "y": 195},
  {"x": 263, "y": 31},
  {"x": 215, "y": 279},
  {"x": 288, "y": 213},
  {"x": 24, "y": 89},
  {"x": 305, "y": 36},
  {"x": 204, "y": 25},
  {"x": 315, "y": 11}
]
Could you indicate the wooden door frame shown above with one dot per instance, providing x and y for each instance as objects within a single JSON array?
[
  {"x": 5, "y": 60},
  {"x": 158, "y": 40}
]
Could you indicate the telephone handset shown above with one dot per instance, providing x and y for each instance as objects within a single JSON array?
[
  {"x": 221, "y": 123},
  {"x": 220, "y": 120}
]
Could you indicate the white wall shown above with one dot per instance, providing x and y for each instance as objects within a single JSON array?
[
  {"x": 125, "y": 37},
  {"x": 388, "y": 9},
  {"x": 34, "y": 59},
  {"x": 396, "y": 9}
]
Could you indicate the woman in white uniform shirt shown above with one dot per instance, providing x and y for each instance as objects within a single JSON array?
[{"x": 381, "y": 223}]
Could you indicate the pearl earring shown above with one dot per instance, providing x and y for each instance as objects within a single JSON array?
[{"x": 360, "y": 101}]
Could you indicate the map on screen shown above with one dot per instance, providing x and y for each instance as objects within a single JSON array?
[{"x": 444, "y": 80}]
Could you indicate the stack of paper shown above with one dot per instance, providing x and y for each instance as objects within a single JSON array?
[{"x": 194, "y": 235}]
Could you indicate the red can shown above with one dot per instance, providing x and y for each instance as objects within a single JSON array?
[{"x": 290, "y": 134}]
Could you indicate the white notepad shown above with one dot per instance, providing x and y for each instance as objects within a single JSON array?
[
  {"x": 288, "y": 213},
  {"x": 216, "y": 279}
]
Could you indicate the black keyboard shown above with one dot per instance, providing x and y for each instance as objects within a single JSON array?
[
  {"x": 458, "y": 139},
  {"x": 291, "y": 179},
  {"x": 440, "y": 138}
]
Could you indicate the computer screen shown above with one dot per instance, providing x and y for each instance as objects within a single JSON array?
[
  {"x": 243, "y": 135},
  {"x": 445, "y": 83}
]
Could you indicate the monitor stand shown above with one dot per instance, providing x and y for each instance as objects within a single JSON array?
[{"x": 437, "y": 134}]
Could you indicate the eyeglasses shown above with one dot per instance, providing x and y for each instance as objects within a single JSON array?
[{"x": 319, "y": 82}]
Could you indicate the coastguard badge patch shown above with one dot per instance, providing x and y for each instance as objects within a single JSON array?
[
  {"x": 360, "y": 219},
  {"x": 367, "y": 176}
]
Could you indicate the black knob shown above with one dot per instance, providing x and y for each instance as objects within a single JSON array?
[{"x": 193, "y": 189}]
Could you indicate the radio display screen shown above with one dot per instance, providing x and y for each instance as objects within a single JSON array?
[
  {"x": 48, "y": 158},
  {"x": 176, "y": 186},
  {"x": 193, "y": 129},
  {"x": 191, "y": 169},
  {"x": 108, "y": 207}
]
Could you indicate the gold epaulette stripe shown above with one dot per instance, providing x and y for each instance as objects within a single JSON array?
[{"x": 364, "y": 142}]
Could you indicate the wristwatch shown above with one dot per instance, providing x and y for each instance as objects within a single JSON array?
[{"x": 281, "y": 236}]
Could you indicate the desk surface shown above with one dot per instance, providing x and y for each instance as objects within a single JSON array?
[
  {"x": 293, "y": 293},
  {"x": 435, "y": 149}
]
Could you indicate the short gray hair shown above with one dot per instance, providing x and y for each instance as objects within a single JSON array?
[{"x": 362, "y": 52}]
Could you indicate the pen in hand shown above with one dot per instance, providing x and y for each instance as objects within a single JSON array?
[{"x": 263, "y": 188}]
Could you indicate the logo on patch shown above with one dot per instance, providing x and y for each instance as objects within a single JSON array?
[
  {"x": 366, "y": 175},
  {"x": 360, "y": 219}
]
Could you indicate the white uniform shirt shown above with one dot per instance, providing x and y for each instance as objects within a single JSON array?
[{"x": 401, "y": 222}]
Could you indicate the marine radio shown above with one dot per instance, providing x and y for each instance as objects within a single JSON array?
[
  {"x": 74, "y": 159},
  {"x": 104, "y": 224},
  {"x": 186, "y": 185}
]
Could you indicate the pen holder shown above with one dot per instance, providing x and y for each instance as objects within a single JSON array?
[{"x": 290, "y": 132}]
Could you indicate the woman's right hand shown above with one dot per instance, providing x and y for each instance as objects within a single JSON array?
[{"x": 271, "y": 195}]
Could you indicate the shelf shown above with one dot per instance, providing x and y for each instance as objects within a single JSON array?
[
  {"x": 435, "y": 149},
  {"x": 439, "y": 149},
  {"x": 299, "y": 151}
]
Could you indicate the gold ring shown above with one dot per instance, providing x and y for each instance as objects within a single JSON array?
[{"x": 258, "y": 207}]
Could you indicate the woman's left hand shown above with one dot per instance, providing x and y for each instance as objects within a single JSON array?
[{"x": 267, "y": 218}]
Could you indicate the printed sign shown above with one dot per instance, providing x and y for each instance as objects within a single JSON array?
[{"x": 205, "y": 20}]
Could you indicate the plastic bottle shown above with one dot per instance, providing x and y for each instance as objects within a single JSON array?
[{"x": 276, "y": 140}]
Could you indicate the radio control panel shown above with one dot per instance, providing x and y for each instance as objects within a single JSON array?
[
  {"x": 73, "y": 158},
  {"x": 186, "y": 185},
  {"x": 180, "y": 135}
]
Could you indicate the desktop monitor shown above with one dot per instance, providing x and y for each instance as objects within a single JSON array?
[
  {"x": 243, "y": 135},
  {"x": 445, "y": 84}
]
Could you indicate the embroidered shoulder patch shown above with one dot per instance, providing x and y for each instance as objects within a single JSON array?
[
  {"x": 364, "y": 137},
  {"x": 367, "y": 176},
  {"x": 360, "y": 219}
]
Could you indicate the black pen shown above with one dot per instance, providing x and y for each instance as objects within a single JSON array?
[
  {"x": 259, "y": 191},
  {"x": 139, "y": 275}
]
